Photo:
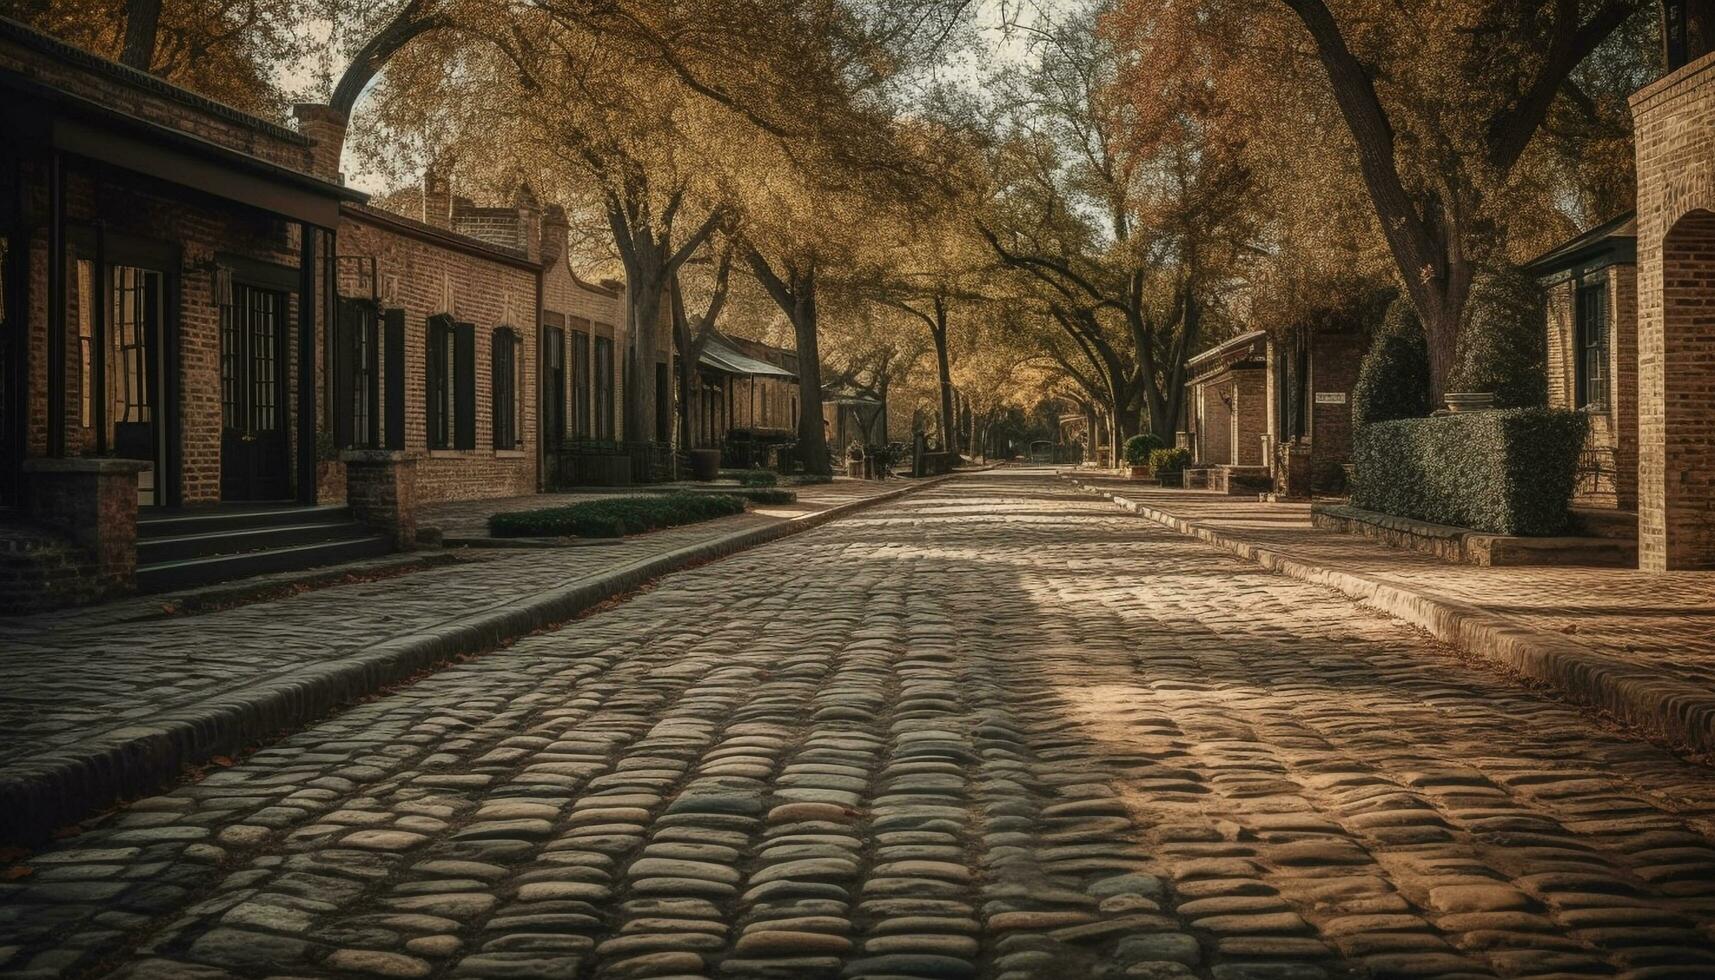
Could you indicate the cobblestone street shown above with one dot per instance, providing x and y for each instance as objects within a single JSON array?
[{"x": 996, "y": 729}]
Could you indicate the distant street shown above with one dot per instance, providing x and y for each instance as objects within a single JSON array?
[{"x": 996, "y": 729}]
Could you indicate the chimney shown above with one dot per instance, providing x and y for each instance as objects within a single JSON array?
[
  {"x": 324, "y": 126},
  {"x": 437, "y": 196},
  {"x": 556, "y": 235},
  {"x": 529, "y": 221}
]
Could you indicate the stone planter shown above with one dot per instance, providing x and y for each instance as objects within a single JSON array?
[
  {"x": 1469, "y": 401},
  {"x": 1140, "y": 472},
  {"x": 1171, "y": 478},
  {"x": 330, "y": 481},
  {"x": 705, "y": 464},
  {"x": 855, "y": 468}
]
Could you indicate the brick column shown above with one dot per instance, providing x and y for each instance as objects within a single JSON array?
[
  {"x": 381, "y": 489},
  {"x": 94, "y": 501}
]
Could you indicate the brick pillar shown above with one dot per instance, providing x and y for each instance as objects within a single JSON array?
[
  {"x": 325, "y": 127},
  {"x": 381, "y": 489},
  {"x": 94, "y": 501}
]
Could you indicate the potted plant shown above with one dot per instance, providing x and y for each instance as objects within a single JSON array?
[
  {"x": 854, "y": 460},
  {"x": 1137, "y": 450},
  {"x": 1169, "y": 465},
  {"x": 1469, "y": 401}
]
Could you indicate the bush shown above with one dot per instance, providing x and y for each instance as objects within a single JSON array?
[
  {"x": 1501, "y": 347},
  {"x": 806, "y": 479},
  {"x": 1169, "y": 460},
  {"x": 766, "y": 495},
  {"x": 1138, "y": 448},
  {"x": 752, "y": 478},
  {"x": 1506, "y": 472},
  {"x": 616, "y": 516},
  {"x": 1393, "y": 380}
]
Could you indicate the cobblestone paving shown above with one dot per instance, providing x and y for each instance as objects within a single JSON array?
[
  {"x": 78, "y": 675},
  {"x": 995, "y": 730},
  {"x": 1663, "y": 620}
]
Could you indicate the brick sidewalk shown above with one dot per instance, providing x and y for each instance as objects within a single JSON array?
[
  {"x": 1652, "y": 633},
  {"x": 109, "y": 701}
]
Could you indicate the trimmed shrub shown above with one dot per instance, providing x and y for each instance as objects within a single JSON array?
[
  {"x": 1393, "y": 380},
  {"x": 1505, "y": 472},
  {"x": 1169, "y": 460},
  {"x": 616, "y": 516},
  {"x": 752, "y": 478},
  {"x": 1138, "y": 448},
  {"x": 766, "y": 495},
  {"x": 1501, "y": 347},
  {"x": 806, "y": 479}
]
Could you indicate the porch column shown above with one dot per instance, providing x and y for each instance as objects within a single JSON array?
[
  {"x": 56, "y": 305},
  {"x": 307, "y": 363}
]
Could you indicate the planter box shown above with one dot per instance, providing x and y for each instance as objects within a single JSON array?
[
  {"x": 705, "y": 464},
  {"x": 1140, "y": 473},
  {"x": 1461, "y": 544}
]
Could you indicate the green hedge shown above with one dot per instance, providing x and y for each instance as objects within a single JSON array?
[
  {"x": 752, "y": 478},
  {"x": 1505, "y": 472},
  {"x": 1393, "y": 378},
  {"x": 1169, "y": 460},
  {"x": 616, "y": 516},
  {"x": 1138, "y": 448}
]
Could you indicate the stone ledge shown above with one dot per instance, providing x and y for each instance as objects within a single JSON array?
[
  {"x": 1462, "y": 544},
  {"x": 1679, "y": 713},
  {"x": 84, "y": 464},
  {"x": 58, "y": 788}
]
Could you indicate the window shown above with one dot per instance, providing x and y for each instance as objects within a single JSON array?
[
  {"x": 451, "y": 394},
  {"x": 581, "y": 384},
  {"x": 554, "y": 385},
  {"x": 505, "y": 389},
  {"x": 1592, "y": 346},
  {"x": 356, "y": 387},
  {"x": 604, "y": 387},
  {"x": 440, "y": 383}
]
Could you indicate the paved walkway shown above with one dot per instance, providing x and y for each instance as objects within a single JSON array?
[
  {"x": 79, "y": 680},
  {"x": 1662, "y": 625},
  {"x": 997, "y": 729}
]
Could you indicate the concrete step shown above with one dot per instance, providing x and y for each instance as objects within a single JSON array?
[
  {"x": 153, "y": 551},
  {"x": 169, "y": 575}
]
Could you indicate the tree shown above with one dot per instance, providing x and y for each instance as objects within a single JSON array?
[
  {"x": 1127, "y": 205},
  {"x": 691, "y": 336},
  {"x": 1442, "y": 101}
]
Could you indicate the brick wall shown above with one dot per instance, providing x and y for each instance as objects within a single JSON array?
[
  {"x": 1249, "y": 391},
  {"x": 1334, "y": 360},
  {"x": 1674, "y": 124},
  {"x": 1607, "y": 473},
  {"x": 597, "y": 310},
  {"x": 416, "y": 273}
]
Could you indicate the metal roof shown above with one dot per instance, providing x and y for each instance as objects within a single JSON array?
[{"x": 722, "y": 356}]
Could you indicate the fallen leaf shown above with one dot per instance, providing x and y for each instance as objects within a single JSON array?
[
  {"x": 222, "y": 760},
  {"x": 17, "y": 871}
]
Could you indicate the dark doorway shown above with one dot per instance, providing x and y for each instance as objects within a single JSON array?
[{"x": 253, "y": 444}]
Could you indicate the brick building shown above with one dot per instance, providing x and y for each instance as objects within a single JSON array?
[
  {"x": 438, "y": 330},
  {"x": 745, "y": 402},
  {"x": 1311, "y": 368},
  {"x": 1591, "y": 299},
  {"x": 1227, "y": 397},
  {"x": 166, "y": 261},
  {"x": 583, "y": 340},
  {"x": 1674, "y": 131}
]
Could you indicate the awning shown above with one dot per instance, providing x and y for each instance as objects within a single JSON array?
[{"x": 721, "y": 356}]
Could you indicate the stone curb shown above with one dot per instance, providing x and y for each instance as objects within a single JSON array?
[
  {"x": 1680, "y": 713},
  {"x": 57, "y": 789}
]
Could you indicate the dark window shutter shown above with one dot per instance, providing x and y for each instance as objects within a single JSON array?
[
  {"x": 434, "y": 379},
  {"x": 344, "y": 378},
  {"x": 464, "y": 385},
  {"x": 394, "y": 371}
]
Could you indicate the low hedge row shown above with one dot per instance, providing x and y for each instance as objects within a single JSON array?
[
  {"x": 1504, "y": 472},
  {"x": 615, "y": 517},
  {"x": 751, "y": 478}
]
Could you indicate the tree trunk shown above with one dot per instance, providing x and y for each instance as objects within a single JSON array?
[
  {"x": 812, "y": 441},
  {"x": 943, "y": 367},
  {"x": 142, "y": 23},
  {"x": 640, "y": 390}
]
